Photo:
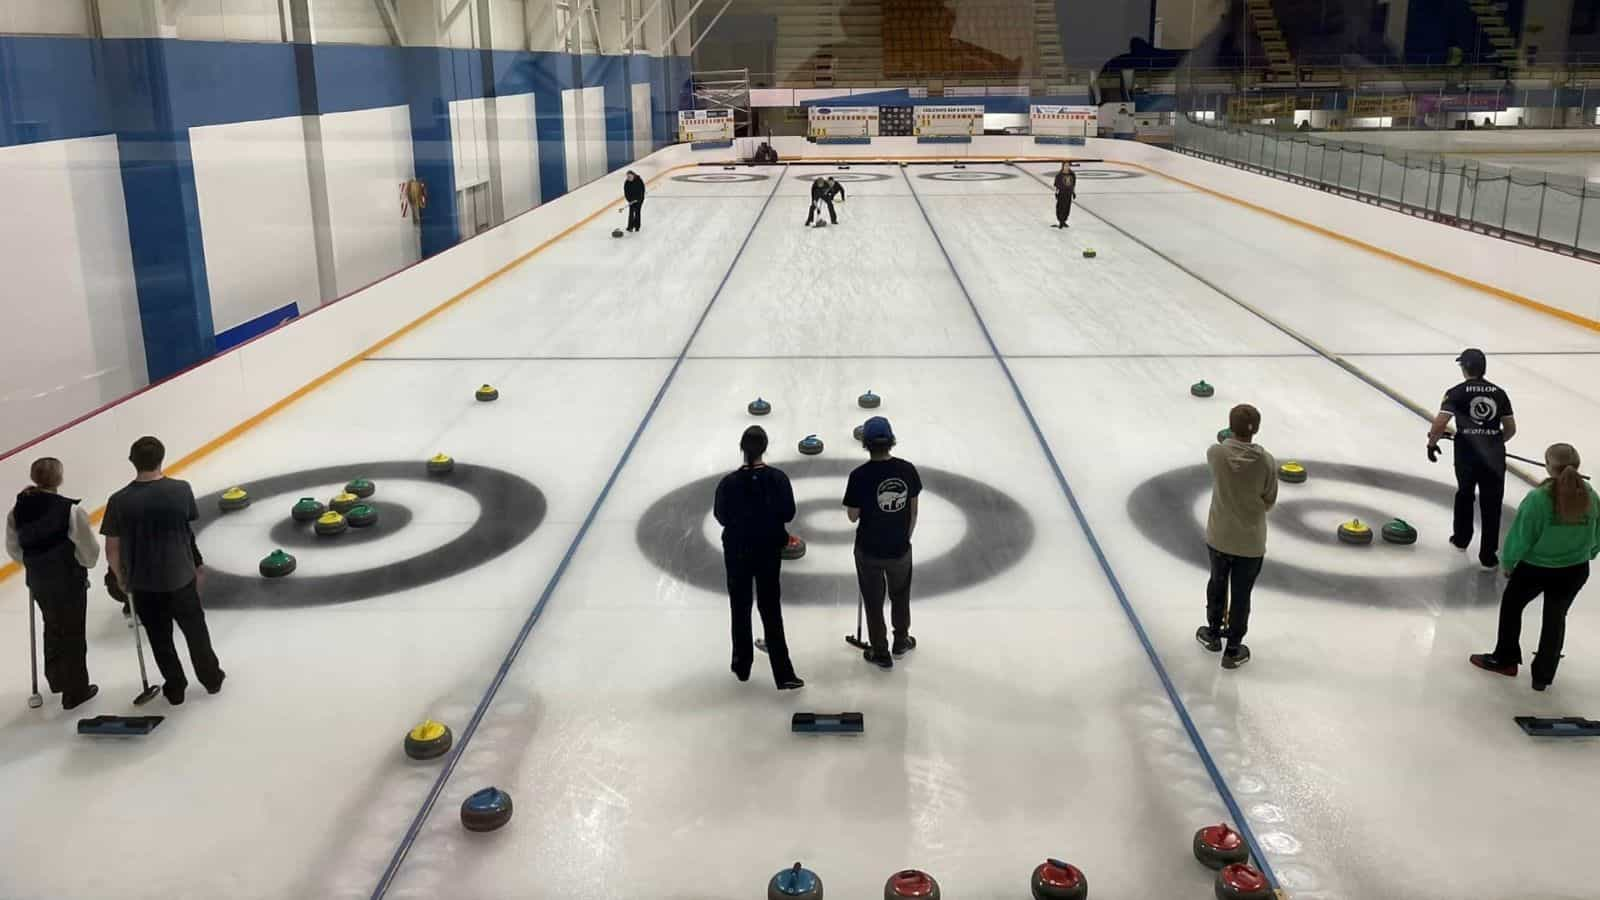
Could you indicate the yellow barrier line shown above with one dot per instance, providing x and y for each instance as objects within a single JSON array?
[{"x": 10, "y": 568}]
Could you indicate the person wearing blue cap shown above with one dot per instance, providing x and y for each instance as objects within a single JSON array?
[
  {"x": 881, "y": 498},
  {"x": 1484, "y": 422}
]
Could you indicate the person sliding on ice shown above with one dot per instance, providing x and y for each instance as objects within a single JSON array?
[
  {"x": 1244, "y": 486},
  {"x": 633, "y": 192},
  {"x": 150, "y": 548},
  {"x": 1066, "y": 192},
  {"x": 1483, "y": 425},
  {"x": 753, "y": 505},
  {"x": 881, "y": 498},
  {"x": 1554, "y": 537},
  {"x": 819, "y": 190},
  {"x": 51, "y": 537}
]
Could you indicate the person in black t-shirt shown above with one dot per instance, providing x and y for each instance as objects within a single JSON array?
[
  {"x": 151, "y": 550},
  {"x": 1484, "y": 422},
  {"x": 1066, "y": 185},
  {"x": 823, "y": 192},
  {"x": 633, "y": 192},
  {"x": 753, "y": 505},
  {"x": 881, "y": 498}
]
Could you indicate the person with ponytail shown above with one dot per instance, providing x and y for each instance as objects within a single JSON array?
[
  {"x": 754, "y": 505},
  {"x": 1554, "y": 538}
]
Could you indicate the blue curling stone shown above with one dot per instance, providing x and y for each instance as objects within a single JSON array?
[
  {"x": 486, "y": 810},
  {"x": 797, "y": 883},
  {"x": 811, "y": 445},
  {"x": 759, "y": 407}
]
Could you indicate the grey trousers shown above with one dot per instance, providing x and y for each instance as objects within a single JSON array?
[{"x": 878, "y": 577}]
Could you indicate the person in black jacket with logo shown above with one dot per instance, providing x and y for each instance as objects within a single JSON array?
[
  {"x": 1066, "y": 191},
  {"x": 754, "y": 504},
  {"x": 633, "y": 192},
  {"x": 1484, "y": 422},
  {"x": 51, "y": 537}
]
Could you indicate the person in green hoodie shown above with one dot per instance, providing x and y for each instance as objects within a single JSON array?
[
  {"x": 1554, "y": 538},
  {"x": 1244, "y": 488}
]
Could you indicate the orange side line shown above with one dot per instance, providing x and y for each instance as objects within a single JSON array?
[{"x": 217, "y": 443}]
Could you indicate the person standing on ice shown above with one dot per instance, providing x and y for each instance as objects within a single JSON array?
[
  {"x": 1484, "y": 423},
  {"x": 1554, "y": 537},
  {"x": 881, "y": 498},
  {"x": 50, "y": 536},
  {"x": 754, "y": 505},
  {"x": 633, "y": 192},
  {"x": 150, "y": 549},
  {"x": 1066, "y": 192},
  {"x": 1244, "y": 487}
]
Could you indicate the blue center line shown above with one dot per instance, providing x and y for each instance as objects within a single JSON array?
[
  {"x": 1178, "y": 706},
  {"x": 415, "y": 829}
]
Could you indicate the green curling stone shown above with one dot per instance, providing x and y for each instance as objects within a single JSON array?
[
  {"x": 758, "y": 407},
  {"x": 1355, "y": 532},
  {"x": 307, "y": 509},
  {"x": 616, "y": 232},
  {"x": 1292, "y": 473},
  {"x": 362, "y": 516},
  {"x": 361, "y": 487},
  {"x": 233, "y": 499},
  {"x": 331, "y": 523},
  {"x": 441, "y": 464},
  {"x": 811, "y": 445},
  {"x": 429, "y": 740},
  {"x": 276, "y": 564},
  {"x": 869, "y": 400},
  {"x": 1224, "y": 434},
  {"x": 1399, "y": 531},
  {"x": 1089, "y": 254},
  {"x": 1201, "y": 389},
  {"x": 486, "y": 394}
]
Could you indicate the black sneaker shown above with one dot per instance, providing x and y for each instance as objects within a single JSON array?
[
  {"x": 878, "y": 658},
  {"x": 742, "y": 676},
  {"x": 1235, "y": 657},
  {"x": 76, "y": 702},
  {"x": 214, "y": 688},
  {"x": 174, "y": 695},
  {"x": 903, "y": 646},
  {"x": 1208, "y": 638},
  {"x": 1462, "y": 546},
  {"x": 793, "y": 684},
  {"x": 1490, "y": 562},
  {"x": 1537, "y": 685}
]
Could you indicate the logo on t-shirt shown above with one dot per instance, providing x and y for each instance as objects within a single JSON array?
[
  {"x": 1483, "y": 410},
  {"x": 892, "y": 494}
]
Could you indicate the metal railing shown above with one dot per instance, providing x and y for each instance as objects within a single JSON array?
[{"x": 1555, "y": 212}]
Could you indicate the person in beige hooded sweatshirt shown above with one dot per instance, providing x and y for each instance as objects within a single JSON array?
[{"x": 1244, "y": 487}]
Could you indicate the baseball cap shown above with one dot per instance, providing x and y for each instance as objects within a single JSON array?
[
  {"x": 876, "y": 432},
  {"x": 1473, "y": 359}
]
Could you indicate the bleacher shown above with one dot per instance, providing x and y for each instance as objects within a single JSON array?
[{"x": 921, "y": 38}]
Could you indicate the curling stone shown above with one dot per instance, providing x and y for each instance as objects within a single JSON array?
[
  {"x": 1219, "y": 845},
  {"x": 811, "y": 445},
  {"x": 233, "y": 499},
  {"x": 362, "y": 516},
  {"x": 486, "y": 393},
  {"x": 798, "y": 883},
  {"x": 1292, "y": 473},
  {"x": 361, "y": 487},
  {"x": 961, "y": 165},
  {"x": 911, "y": 883},
  {"x": 307, "y": 509},
  {"x": 1201, "y": 389},
  {"x": 794, "y": 549},
  {"x": 331, "y": 523},
  {"x": 869, "y": 400},
  {"x": 486, "y": 810},
  {"x": 1242, "y": 882},
  {"x": 276, "y": 564},
  {"x": 616, "y": 232},
  {"x": 441, "y": 464},
  {"x": 1399, "y": 531},
  {"x": 1089, "y": 254},
  {"x": 822, "y": 223},
  {"x": 860, "y": 433},
  {"x": 343, "y": 502},
  {"x": 1355, "y": 531},
  {"x": 429, "y": 740},
  {"x": 758, "y": 407},
  {"x": 1056, "y": 880},
  {"x": 1224, "y": 434}
]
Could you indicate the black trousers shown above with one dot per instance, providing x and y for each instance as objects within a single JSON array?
[
  {"x": 159, "y": 611},
  {"x": 1488, "y": 482},
  {"x": 1235, "y": 575},
  {"x": 878, "y": 577},
  {"x": 634, "y": 208},
  {"x": 811, "y": 213},
  {"x": 1063, "y": 208},
  {"x": 1559, "y": 587},
  {"x": 63, "y": 607},
  {"x": 761, "y": 569}
]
